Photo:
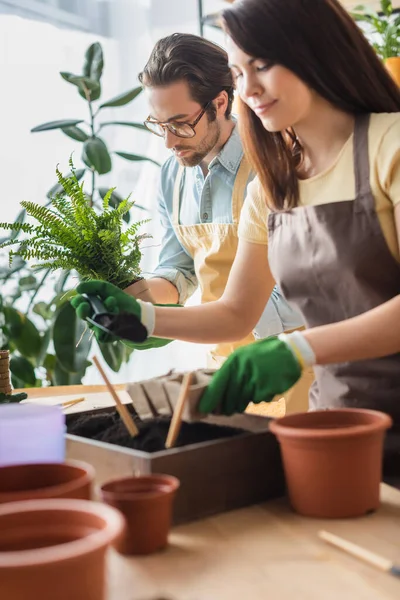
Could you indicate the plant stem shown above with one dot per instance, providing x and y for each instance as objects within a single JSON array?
[
  {"x": 91, "y": 202},
  {"x": 37, "y": 288}
]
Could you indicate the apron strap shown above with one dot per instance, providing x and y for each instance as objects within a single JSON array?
[
  {"x": 177, "y": 196},
  {"x": 361, "y": 158},
  {"x": 239, "y": 189}
]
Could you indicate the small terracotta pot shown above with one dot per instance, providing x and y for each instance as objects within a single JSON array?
[
  {"x": 393, "y": 66},
  {"x": 146, "y": 503},
  {"x": 333, "y": 460},
  {"x": 55, "y": 549},
  {"x": 48, "y": 480}
]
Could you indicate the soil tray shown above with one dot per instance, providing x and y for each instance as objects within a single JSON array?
[{"x": 223, "y": 463}]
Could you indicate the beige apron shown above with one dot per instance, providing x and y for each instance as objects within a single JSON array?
[
  {"x": 332, "y": 262},
  {"x": 213, "y": 248}
]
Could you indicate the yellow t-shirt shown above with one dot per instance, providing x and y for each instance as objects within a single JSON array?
[{"x": 337, "y": 184}]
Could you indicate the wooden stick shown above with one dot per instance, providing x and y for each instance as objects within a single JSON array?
[
  {"x": 69, "y": 403},
  {"x": 176, "y": 420},
  {"x": 380, "y": 562},
  {"x": 121, "y": 408}
]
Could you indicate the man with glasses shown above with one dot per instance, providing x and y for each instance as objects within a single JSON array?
[{"x": 203, "y": 184}]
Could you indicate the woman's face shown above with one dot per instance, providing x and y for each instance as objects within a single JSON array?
[{"x": 276, "y": 95}]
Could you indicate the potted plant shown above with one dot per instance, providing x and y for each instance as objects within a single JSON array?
[
  {"x": 36, "y": 323},
  {"x": 384, "y": 34},
  {"x": 73, "y": 235}
]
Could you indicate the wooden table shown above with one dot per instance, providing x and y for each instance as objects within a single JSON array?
[
  {"x": 265, "y": 553},
  {"x": 260, "y": 553}
]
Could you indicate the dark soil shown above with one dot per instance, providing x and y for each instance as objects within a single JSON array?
[{"x": 108, "y": 427}]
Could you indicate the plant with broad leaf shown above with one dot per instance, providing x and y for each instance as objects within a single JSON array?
[
  {"x": 74, "y": 236},
  {"x": 384, "y": 28},
  {"x": 37, "y": 323}
]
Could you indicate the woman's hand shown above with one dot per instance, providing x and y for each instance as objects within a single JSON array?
[{"x": 253, "y": 373}]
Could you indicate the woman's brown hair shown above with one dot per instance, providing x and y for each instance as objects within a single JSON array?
[{"x": 319, "y": 42}]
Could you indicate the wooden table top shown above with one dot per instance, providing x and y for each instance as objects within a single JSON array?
[{"x": 264, "y": 552}]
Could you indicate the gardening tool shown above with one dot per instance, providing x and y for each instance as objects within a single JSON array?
[
  {"x": 121, "y": 408},
  {"x": 380, "y": 562},
  {"x": 124, "y": 325}
]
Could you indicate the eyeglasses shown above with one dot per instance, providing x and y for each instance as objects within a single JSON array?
[{"x": 180, "y": 129}]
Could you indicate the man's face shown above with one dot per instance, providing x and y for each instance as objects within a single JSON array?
[{"x": 173, "y": 103}]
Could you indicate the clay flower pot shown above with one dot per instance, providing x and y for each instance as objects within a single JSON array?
[
  {"x": 146, "y": 503},
  {"x": 47, "y": 480},
  {"x": 333, "y": 460},
  {"x": 393, "y": 66},
  {"x": 55, "y": 549}
]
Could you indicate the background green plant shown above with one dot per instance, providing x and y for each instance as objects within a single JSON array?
[
  {"x": 384, "y": 33},
  {"x": 47, "y": 343}
]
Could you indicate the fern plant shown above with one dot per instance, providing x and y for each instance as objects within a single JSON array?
[{"x": 71, "y": 234}]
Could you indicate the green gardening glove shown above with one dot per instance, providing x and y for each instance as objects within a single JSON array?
[
  {"x": 115, "y": 301},
  {"x": 253, "y": 373}
]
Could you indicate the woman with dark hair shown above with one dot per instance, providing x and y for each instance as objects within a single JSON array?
[{"x": 320, "y": 120}]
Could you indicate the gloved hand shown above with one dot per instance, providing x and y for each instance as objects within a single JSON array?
[
  {"x": 256, "y": 373},
  {"x": 152, "y": 342},
  {"x": 116, "y": 301}
]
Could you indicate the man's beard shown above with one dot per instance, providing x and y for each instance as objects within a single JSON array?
[{"x": 206, "y": 146}]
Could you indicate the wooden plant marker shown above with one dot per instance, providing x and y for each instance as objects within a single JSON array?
[
  {"x": 376, "y": 560},
  {"x": 176, "y": 420},
  {"x": 121, "y": 408}
]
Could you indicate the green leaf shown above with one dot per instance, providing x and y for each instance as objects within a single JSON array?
[
  {"x": 43, "y": 310},
  {"x": 76, "y": 133},
  {"x": 387, "y": 8},
  {"x": 20, "y": 218},
  {"x": 62, "y": 377},
  {"x": 71, "y": 340},
  {"x": 123, "y": 99},
  {"x": 95, "y": 155},
  {"x": 57, "y": 125},
  {"x": 136, "y": 157},
  {"x": 61, "y": 281},
  {"x": 23, "y": 370},
  {"x": 94, "y": 62},
  {"x": 49, "y": 362},
  {"x": 7, "y": 272},
  {"x": 63, "y": 297},
  {"x": 58, "y": 189},
  {"x": 115, "y": 201},
  {"x": 45, "y": 339},
  {"x": 27, "y": 283},
  {"x": 88, "y": 88},
  {"x": 13, "y": 321},
  {"x": 113, "y": 354},
  {"x": 23, "y": 332},
  {"x": 125, "y": 124}
]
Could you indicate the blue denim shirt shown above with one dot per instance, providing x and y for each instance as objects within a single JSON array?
[{"x": 209, "y": 200}]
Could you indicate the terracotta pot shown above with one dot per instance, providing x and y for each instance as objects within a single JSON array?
[
  {"x": 393, "y": 66},
  {"x": 55, "y": 549},
  {"x": 47, "y": 480},
  {"x": 146, "y": 503},
  {"x": 333, "y": 460}
]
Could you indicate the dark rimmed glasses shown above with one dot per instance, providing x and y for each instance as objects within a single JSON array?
[{"x": 182, "y": 129}]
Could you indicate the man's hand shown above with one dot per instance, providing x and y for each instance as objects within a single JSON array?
[
  {"x": 253, "y": 373},
  {"x": 115, "y": 301}
]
